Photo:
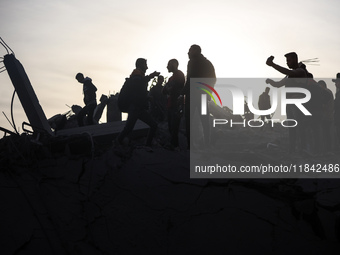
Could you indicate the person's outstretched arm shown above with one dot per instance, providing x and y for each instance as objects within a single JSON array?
[{"x": 291, "y": 73}]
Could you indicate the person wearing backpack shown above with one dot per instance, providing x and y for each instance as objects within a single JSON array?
[{"x": 133, "y": 99}]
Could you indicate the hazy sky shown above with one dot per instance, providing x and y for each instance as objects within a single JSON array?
[{"x": 56, "y": 39}]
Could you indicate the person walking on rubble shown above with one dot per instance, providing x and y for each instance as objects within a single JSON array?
[
  {"x": 136, "y": 95},
  {"x": 89, "y": 91}
]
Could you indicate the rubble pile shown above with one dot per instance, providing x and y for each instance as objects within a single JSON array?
[{"x": 69, "y": 196}]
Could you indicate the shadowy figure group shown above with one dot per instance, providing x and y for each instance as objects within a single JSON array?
[
  {"x": 314, "y": 128},
  {"x": 135, "y": 99},
  {"x": 294, "y": 71}
]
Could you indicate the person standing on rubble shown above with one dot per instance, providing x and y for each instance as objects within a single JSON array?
[
  {"x": 173, "y": 90},
  {"x": 337, "y": 110},
  {"x": 264, "y": 104},
  {"x": 295, "y": 71},
  {"x": 198, "y": 67},
  {"x": 89, "y": 91}
]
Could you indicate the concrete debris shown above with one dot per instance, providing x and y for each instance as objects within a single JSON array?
[{"x": 94, "y": 202}]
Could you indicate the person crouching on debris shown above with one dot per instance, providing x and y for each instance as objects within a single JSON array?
[
  {"x": 89, "y": 91},
  {"x": 136, "y": 95}
]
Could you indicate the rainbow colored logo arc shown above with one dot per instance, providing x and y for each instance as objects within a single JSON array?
[{"x": 209, "y": 93}]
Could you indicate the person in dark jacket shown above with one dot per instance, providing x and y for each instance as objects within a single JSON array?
[
  {"x": 139, "y": 103},
  {"x": 89, "y": 91},
  {"x": 198, "y": 67}
]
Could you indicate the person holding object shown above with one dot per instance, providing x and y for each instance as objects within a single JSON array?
[{"x": 294, "y": 71}]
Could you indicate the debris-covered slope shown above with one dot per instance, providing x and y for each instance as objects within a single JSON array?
[{"x": 67, "y": 197}]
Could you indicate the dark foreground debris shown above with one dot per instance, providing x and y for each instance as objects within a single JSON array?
[{"x": 62, "y": 198}]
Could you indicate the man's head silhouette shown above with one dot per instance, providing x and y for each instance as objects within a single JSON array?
[
  {"x": 141, "y": 64},
  {"x": 80, "y": 77},
  {"x": 194, "y": 51},
  {"x": 172, "y": 65},
  {"x": 292, "y": 60}
]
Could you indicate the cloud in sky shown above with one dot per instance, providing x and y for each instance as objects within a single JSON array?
[{"x": 56, "y": 39}]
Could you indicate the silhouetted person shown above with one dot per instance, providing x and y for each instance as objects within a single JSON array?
[
  {"x": 137, "y": 109},
  {"x": 264, "y": 103},
  {"x": 248, "y": 115},
  {"x": 98, "y": 111},
  {"x": 198, "y": 67},
  {"x": 294, "y": 71},
  {"x": 337, "y": 108},
  {"x": 313, "y": 122},
  {"x": 157, "y": 100},
  {"x": 327, "y": 116},
  {"x": 113, "y": 112},
  {"x": 89, "y": 91},
  {"x": 173, "y": 89}
]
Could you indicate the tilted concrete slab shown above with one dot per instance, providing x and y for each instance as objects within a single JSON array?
[{"x": 26, "y": 94}]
